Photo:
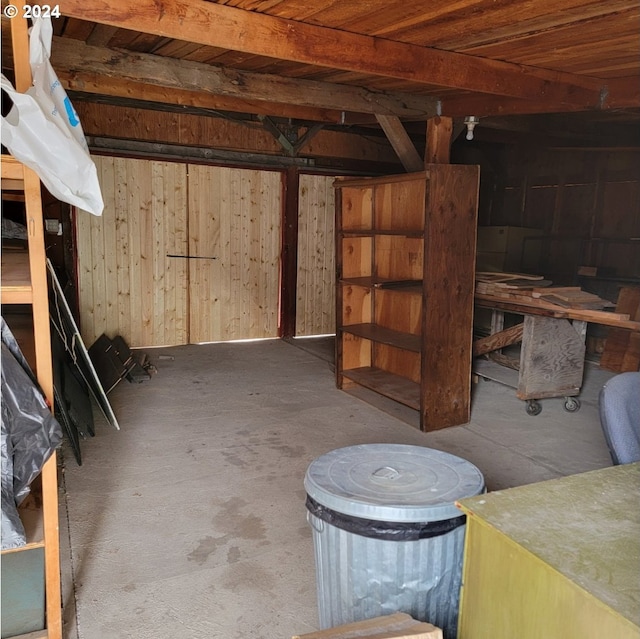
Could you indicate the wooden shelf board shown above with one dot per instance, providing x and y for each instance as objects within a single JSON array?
[
  {"x": 367, "y": 182},
  {"x": 16, "y": 280},
  {"x": 31, "y": 517},
  {"x": 372, "y": 232},
  {"x": 375, "y": 333},
  {"x": 398, "y": 388},
  {"x": 405, "y": 286},
  {"x": 11, "y": 169}
]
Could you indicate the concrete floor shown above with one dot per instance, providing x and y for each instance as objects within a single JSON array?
[{"x": 189, "y": 522}]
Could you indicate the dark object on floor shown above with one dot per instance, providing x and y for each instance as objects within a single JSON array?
[
  {"x": 72, "y": 400},
  {"x": 620, "y": 417},
  {"x": 112, "y": 360},
  {"x": 63, "y": 323},
  {"x": 140, "y": 370}
]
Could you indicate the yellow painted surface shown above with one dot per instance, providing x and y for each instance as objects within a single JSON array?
[
  {"x": 554, "y": 559},
  {"x": 315, "y": 296}
]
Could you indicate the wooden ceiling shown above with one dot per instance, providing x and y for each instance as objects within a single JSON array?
[{"x": 349, "y": 61}]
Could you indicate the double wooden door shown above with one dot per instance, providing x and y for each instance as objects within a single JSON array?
[{"x": 182, "y": 254}]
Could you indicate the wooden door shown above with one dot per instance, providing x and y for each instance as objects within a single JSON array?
[
  {"x": 128, "y": 283},
  {"x": 234, "y": 249},
  {"x": 315, "y": 304}
]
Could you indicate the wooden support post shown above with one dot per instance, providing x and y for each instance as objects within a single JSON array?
[
  {"x": 288, "y": 281},
  {"x": 438, "y": 149}
]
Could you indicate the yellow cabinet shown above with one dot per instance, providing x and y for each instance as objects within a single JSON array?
[{"x": 559, "y": 559}]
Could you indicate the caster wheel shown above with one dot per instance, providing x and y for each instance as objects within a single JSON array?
[
  {"x": 571, "y": 404},
  {"x": 533, "y": 407}
]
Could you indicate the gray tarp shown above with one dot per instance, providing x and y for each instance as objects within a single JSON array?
[{"x": 30, "y": 434}]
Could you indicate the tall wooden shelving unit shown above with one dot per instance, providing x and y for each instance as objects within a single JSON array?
[
  {"x": 35, "y": 566},
  {"x": 405, "y": 249}
]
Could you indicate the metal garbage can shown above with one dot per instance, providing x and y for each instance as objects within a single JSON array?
[{"x": 387, "y": 534}]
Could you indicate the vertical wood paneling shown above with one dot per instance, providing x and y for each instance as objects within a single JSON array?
[
  {"x": 315, "y": 308},
  {"x": 119, "y": 185},
  {"x": 234, "y": 216},
  {"x": 127, "y": 285}
]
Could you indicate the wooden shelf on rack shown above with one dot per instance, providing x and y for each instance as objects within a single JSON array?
[
  {"x": 382, "y": 335},
  {"x": 395, "y": 387},
  {"x": 11, "y": 169},
  {"x": 31, "y": 516},
  {"x": 16, "y": 278},
  {"x": 371, "y": 232},
  {"x": 31, "y": 573},
  {"x": 405, "y": 291},
  {"x": 406, "y": 286}
]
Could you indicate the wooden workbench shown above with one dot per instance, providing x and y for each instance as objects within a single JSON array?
[
  {"x": 559, "y": 558},
  {"x": 553, "y": 348}
]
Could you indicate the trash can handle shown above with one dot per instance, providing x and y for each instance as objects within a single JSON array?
[{"x": 315, "y": 523}]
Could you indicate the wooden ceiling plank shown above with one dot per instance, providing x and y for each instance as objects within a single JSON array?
[
  {"x": 495, "y": 22},
  {"x": 78, "y": 29},
  {"x": 401, "y": 143},
  {"x": 218, "y": 25},
  {"x": 101, "y": 35},
  {"x": 570, "y": 45},
  {"x": 74, "y": 57}
]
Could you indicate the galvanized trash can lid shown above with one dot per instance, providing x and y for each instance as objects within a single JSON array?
[{"x": 392, "y": 482}]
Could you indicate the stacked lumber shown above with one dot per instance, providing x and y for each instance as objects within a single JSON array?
[
  {"x": 534, "y": 290},
  {"x": 396, "y": 626},
  {"x": 622, "y": 349}
]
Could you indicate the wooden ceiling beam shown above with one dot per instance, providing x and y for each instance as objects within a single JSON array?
[
  {"x": 401, "y": 143},
  {"x": 101, "y": 70},
  {"x": 619, "y": 93},
  {"x": 226, "y": 27},
  {"x": 102, "y": 85}
]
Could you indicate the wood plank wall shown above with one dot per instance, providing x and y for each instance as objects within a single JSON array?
[
  {"x": 130, "y": 286},
  {"x": 586, "y": 202},
  {"x": 235, "y": 217},
  {"x": 315, "y": 307},
  {"x": 126, "y": 283},
  {"x": 196, "y": 130}
]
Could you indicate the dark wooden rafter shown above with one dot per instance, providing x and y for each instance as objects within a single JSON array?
[
  {"x": 226, "y": 27},
  {"x": 618, "y": 93},
  {"x": 401, "y": 142},
  {"x": 102, "y": 70}
]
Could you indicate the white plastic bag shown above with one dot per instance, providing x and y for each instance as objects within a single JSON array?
[
  {"x": 47, "y": 90},
  {"x": 42, "y": 130}
]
